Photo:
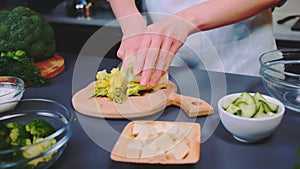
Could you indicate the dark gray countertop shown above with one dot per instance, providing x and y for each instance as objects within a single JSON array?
[{"x": 92, "y": 139}]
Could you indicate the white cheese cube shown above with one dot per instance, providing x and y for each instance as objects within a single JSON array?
[
  {"x": 172, "y": 131},
  {"x": 185, "y": 132},
  {"x": 150, "y": 150},
  {"x": 143, "y": 131},
  {"x": 180, "y": 150},
  {"x": 164, "y": 142},
  {"x": 134, "y": 150},
  {"x": 158, "y": 128},
  {"x": 137, "y": 128}
]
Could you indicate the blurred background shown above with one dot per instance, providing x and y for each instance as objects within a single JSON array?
[{"x": 74, "y": 21}]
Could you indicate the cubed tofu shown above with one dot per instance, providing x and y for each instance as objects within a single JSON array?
[
  {"x": 164, "y": 142},
  {"x": 150, "y": 150},
  {"x": 143, "y": 131},
  {"x": 172, "y": 131},
  {"x": 185, "y": 132},
  {"x": 137, "y": 128},
  {"x": 180, "y": 150},
  {"x": 158, "y": 128},
  {"x": 134, "y": 149}
]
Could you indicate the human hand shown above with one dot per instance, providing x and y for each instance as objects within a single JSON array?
[
  {"x": 158, "y": 46},
  {"x": 132, "y": 29}
]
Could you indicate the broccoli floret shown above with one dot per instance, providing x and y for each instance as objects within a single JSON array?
[
  {"x": 18, "y": 135},
  {"x": 39, "y": 148},
  {"x": 4, "y": 131},
  {"x": 39, "y": 128},
  {"x": 25, "y": 29}
]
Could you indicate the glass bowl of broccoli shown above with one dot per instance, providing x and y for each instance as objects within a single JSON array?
[{"x": 34, "y": 134}]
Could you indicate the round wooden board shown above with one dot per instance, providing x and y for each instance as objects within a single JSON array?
[
  {"x": 51, "y": 67},
  {"x": 138, "y": 106}
]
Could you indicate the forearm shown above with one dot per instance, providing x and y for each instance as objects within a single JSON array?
[
  {"x": 128, "y": 15},
  {"x": 216, "y": 13}
]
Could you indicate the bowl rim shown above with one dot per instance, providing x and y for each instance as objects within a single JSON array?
[
  {"x": 19, "y": 80},
  {"x": 277, "y": 115},
  {"x": 67, "y": 127},
  {"x": 266, "y": 66}
]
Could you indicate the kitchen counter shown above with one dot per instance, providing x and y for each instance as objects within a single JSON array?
[{"x": 93, "y": 138}]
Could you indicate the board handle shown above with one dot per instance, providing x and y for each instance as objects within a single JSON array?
[{"x": 191, "y": 105}]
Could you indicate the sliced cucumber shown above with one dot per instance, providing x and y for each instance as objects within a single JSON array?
[
  {"x": 233, "y": 109},
  {"x": 255, "y": 106},
  {"x": 226, "y": 104},
  {"x": 236, "y": 101},
  {"x": 248, "y": 110},
  {"x": 247, "y": 97},
  {"x": 265, "y": 106},
  {"x": 273, "y": 107},
  {"x": 257, "y": 96}
]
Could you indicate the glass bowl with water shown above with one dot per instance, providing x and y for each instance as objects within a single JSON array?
[{"x": 280, "y": 72}]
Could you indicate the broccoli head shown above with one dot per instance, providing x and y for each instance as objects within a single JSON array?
[
  {"x": 25, "y": 29},
  {"x": 18, "y": 134},
  {"x": 39, "y": 128}
]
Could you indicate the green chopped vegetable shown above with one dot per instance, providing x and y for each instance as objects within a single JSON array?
[
  {"x": 108, "y": 84},
  {"x": 18, "y": 134},
  {"x": 39, "y": 128}
]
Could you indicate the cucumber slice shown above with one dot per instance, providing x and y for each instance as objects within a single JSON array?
[
  {"x": 265, "y": 106},
  {"x": 248, "y": 110},
  {"x": 257, "y": 96},
  {"x": 236, "y": 101},
  {"x": 247, "y": 97},
  {"x": 273, "y": 107},
  {"x": 233, "y": 109},
  {"x": 226, "y": 104}
]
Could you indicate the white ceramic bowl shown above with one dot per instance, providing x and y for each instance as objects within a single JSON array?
[
  {"x": 11, "y": 89},
  {"x": 250, "y": 129}
]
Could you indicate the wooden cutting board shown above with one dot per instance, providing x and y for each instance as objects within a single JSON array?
[
  {"x": 51, "y": 67},
  {"x": 138, "y": 106}
]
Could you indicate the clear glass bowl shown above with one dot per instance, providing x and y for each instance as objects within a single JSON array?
[
  {"x": 280, "y": 72},
  {"x": 27, "y": 109},
  {"x": 11, "y": 89}
]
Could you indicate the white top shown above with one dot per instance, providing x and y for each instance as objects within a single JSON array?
[{"x": 234, "y": 48}]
